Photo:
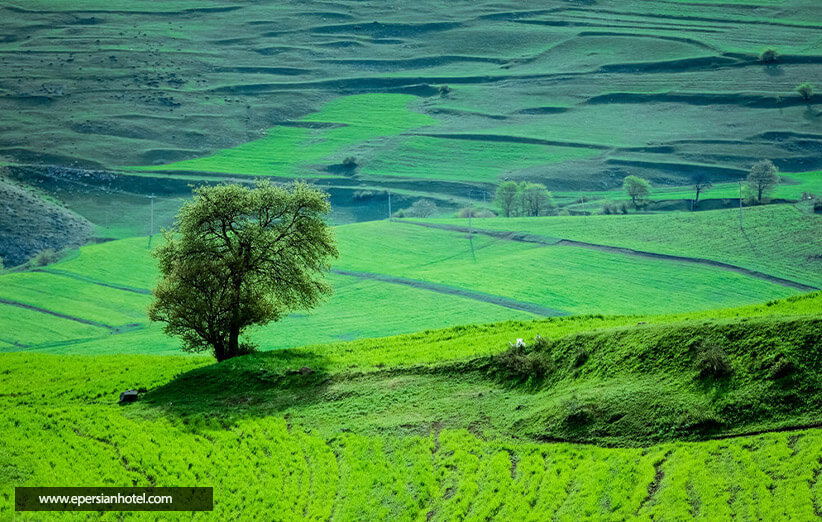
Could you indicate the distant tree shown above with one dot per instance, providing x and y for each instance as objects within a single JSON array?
[
  {"x": 762, "y": 178},
  {"x": 444, "y": 90},
  {"x": 238, "y": 257},
  {"x": 702, "y": 182},
  {"x": 350, "y": 162},
  {"x": 805, "y": 90},
  {"x": 535, "y": 200},
  {"x": 638, "y": 189},
  {"x": 769, "y": 56},
  {"x": 506, "y": 198},
  {"x": 422, "y": 208}
]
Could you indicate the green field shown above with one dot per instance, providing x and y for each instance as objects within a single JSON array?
[
  {"x": 400, "y": 441},
  {"x": 779, "y": 240},
  {"x": 418, "y": 278}
]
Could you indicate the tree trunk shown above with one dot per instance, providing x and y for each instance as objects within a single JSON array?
[
  {"x": 233, "y": 339},
  {"x": 219, "y": 352}
]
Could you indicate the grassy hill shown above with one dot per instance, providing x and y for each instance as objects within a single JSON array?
[
  {"x": 416, "y": 278},
  {"x": 384, "y": 428}
]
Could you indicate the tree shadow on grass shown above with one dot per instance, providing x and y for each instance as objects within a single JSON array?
[{"x": 247, "y": 386}]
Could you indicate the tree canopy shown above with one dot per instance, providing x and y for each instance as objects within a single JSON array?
[
  {"x": 238, "y": 257},
  {"x": 524, "y": 199}
]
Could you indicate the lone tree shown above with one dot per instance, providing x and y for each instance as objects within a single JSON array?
[
  {"x": 805, "y": 90},
  {"x": 238, "y": 257},
  {"x": 637, "y": 188},
  {"x": 506, "y": 198},
  {"x": 769, "y": 56},
  {"x": 762, "y": 179},
  {"x": 702, "y": 182}
]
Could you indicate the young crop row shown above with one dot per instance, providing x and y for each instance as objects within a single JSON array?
[{"x": 265, "y": 468}]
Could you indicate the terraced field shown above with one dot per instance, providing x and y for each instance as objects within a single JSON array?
[
  {"x": 574, "y": 96},
  {"x": 418, "y": 277}
]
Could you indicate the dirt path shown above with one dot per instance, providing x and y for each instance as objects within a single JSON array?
[
  {"x": 57, "y": 314},
  {"x": 546, "y": 240},
  {"x": 460, "y": 292}
]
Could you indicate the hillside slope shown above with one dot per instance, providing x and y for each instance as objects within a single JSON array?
[
  {"x": 573, "y": 95},
  {"x": 29, "y": 224},
  {"x": 383, "y": 427}
]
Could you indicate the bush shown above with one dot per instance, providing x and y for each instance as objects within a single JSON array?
[
  {"x": 247, "y": 348},
  {"x": 769, "y": 56},
  {"x": 444, "y": 90},
  {"x": 45, "y": 257},
  {"x": 467, "y": 212},
  {"x": 523, "y": 363},
  {"x": 350, "y": 162},
  {"x": 713, "y": 362}
]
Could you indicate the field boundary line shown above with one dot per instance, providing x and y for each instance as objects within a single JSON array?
[
  {"x": 57, "y": 314},
  {"x": 85, "y": 279},
  {"x": 513, "y": 235},
  {"x": 498, "y": 300}
]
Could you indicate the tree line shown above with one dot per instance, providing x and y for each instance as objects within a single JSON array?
[{"x": 532, "y": 199}]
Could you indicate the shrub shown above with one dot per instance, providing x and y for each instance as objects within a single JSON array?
[
  {"x": 523, "y": 363},
  {"x": 444, "y": 90},
  {"x": 247, "y": 348},
  {"x": 609, "y": 208},
  {"x": 769, "y": 56},
  {"x": 805, "y": 90},
  {"x": 713, "y": 362},
  {"x": 467, "y": 212},
  {"x": 45, "y": 257},
  {"x": 350, "y": 162}
]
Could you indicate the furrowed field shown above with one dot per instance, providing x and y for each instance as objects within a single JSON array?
[{"x": 376, "y": 435}]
